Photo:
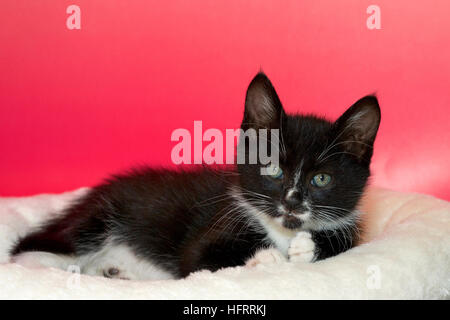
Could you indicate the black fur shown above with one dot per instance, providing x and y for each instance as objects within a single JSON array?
[{"x": 186, "y": 220}]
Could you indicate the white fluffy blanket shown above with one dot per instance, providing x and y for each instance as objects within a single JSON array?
[{"x": 405, "y": 255}]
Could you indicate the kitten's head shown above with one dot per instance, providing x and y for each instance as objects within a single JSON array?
[{"x": 323, "y": 166}]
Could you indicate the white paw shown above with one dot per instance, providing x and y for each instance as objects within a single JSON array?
[
  {"x": 28, "y": 260},
  {"x": 302, "y": 248},
  {"x": 266, "y": 256},
  {"x": 40, "y": 259}
]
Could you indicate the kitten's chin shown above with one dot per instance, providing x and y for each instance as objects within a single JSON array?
[{"x": 291, "y": 222}]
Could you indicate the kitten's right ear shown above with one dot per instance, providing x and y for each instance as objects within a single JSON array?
[{"x": 263, "y": 109}]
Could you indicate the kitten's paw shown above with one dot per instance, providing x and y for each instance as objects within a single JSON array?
[
  {"x": 302, "y": 248},
  {"x": 266, "y": 256},
  {"x": 40, "y": 259},
  {"x": 116, "y": 273}
]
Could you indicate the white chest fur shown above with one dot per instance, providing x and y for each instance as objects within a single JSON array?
[{"x": 276, "y": 233}]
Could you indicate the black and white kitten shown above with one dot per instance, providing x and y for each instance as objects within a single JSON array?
[{"x": 163, "y": 224}]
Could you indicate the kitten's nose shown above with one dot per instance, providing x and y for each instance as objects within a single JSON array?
[{"x": 291, "y": 200}]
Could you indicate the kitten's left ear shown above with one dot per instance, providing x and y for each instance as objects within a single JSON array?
[{"x": 358, "y": 126}]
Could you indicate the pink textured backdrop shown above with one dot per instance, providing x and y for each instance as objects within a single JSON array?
[{"x": 76, "y": 105}]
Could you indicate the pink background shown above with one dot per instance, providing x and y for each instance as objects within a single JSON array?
[{"x": 76, "y": 105}]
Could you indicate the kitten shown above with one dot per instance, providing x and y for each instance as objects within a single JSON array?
[{"x": 164, "y": 224}]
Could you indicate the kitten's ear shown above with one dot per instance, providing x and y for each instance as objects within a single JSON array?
[
  {"x": 358, "y": 126},
  {"x": 263, "y": 108}
]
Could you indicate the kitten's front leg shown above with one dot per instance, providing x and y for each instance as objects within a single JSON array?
[
  {"x": 266, "y": 256},
  {"x": 307, "y": 247},
  {"x": 302, "y": 248},
  {"x": 310, "y": 247}
]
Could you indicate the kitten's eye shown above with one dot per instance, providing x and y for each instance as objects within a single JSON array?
[
  {"x": 321, "y": 180},
  {"x": 274, "y": 171}
]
